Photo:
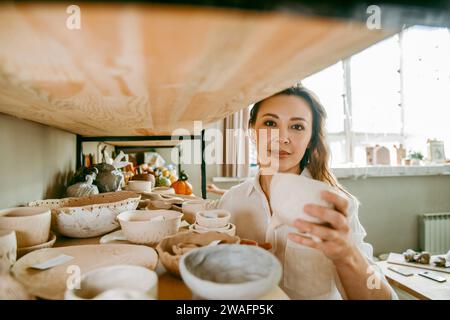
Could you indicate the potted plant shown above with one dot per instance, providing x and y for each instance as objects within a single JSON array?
[{"x": 416, "y": 157}]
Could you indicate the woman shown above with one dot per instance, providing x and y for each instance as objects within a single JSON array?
[{"x": 290, "y": 128}]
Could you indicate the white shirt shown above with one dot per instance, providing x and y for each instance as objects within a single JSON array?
[{"x": 307, "y": 272}]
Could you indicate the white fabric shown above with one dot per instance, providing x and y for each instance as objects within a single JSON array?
[{"x": 307, "y": 273}]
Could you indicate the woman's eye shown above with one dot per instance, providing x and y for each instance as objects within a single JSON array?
[
  {"x": 270, "y": 123},
  {"x": 297, "y": 127}
]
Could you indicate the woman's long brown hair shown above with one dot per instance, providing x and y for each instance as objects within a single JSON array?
[{"x": 317, "y": 155}]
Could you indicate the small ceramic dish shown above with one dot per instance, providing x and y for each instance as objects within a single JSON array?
[
  {"x": 231, "y": 230},
  {"x": 184, "y": 242},
  {"x": 51, "y": 241},
  {"x": 216, "y": 218},
  {"x": 32, "y": 225},
  {"x": 230, "y": 271},
  {"x": 116, "y": 282},
  {"x": 149, "y": 226},
  {"x": 139, "y": 186}
]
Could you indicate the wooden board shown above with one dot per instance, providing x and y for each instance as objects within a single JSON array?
[
  {"x": 396, "y": 258},
  {"x": 147, "y": 69},
  {"x": 51, "y": 283}
]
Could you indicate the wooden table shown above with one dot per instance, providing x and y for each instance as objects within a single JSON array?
[
  {"x": 169, "y": 286},
  {"x": 417, "y": 286}
]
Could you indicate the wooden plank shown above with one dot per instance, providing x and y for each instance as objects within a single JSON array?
[
  {"x": 149, "y": 69},
  {"x": 396, "y": 258}
]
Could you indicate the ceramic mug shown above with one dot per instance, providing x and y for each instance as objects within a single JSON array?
[{"x": 8, "y": 249}]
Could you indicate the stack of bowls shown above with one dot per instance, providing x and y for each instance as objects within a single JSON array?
[
  {"x": 213, "y": 220},
  {"x": 31, "y": 226}
]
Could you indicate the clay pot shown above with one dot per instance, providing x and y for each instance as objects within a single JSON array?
[
  {"x": 139, "y": 186},
  {"x": 32, "y": 225},
  {"x": 149, "y": 226},
  {"x": 232, "y": 271}
]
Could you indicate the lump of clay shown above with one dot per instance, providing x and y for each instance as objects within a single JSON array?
[
  {"x": 83, "y": 189},
  {"x": 416, "y": 257},
  {"x": 109, "y": 179}
]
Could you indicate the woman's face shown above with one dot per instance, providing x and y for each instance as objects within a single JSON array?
[{"x": 283, "y": 130}]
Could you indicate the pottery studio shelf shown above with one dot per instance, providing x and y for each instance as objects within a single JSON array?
[{"x": 135, "y": 72}]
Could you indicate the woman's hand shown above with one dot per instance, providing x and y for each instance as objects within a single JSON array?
[
  {"x": 335, "y": 236},
  {"x": 214, "y": 189}
]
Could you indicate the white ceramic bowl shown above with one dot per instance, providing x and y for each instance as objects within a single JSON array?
[
  {"x": 8, "y": 249},
  {"x": 164, "y": 190},
  {"x": 216, "y": 218},
  {"x": 139, "y": 186},
  {"x": 191, "y": 207},
  {"x": 116, "y": 282},
  {"x": 32, "y": 225},
  {"x": 230, "y": 229},
  {"x": 149, "y": 226},
  {"x": 230, "y": 271},
  {"x": 287, "y": 205}
]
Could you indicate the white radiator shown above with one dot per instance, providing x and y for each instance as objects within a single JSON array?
[{"x": 435, "y": 232}]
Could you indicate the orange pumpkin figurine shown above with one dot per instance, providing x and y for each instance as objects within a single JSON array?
[{"x": 182, "y": 186}]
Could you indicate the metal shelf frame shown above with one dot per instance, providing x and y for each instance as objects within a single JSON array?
[{"x": 201, "y": 137}]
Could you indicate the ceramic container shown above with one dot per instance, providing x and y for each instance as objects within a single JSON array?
[
  {"x": 117, "y": 282},
  {"x": 8, "y": 248},
  {"x": 171, "y": 248},
  {"x": 230, "y": 272},
  {"x": 139, "y": 186},
  {"x": 51, "y": 241},
  {"x": 89, "y": 216},
  {"x": 216, "y": 218},
  {"x": 163, "y": 190},
  {"x": 191, "y": 207},
  {"x": 149, "y": 226},
  {"x": 32, "y": 225},
  {"x": 230, "y": 229},
  {"x": 287, "y": 205}
]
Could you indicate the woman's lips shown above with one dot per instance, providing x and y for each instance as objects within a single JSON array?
[{"x": 280, "y": 153}]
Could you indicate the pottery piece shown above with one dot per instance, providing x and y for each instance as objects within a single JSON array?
[
  {"x": 89, "y": 216},
  {"x": 83, "y": 189},
  {"x": 32, "y": 225},
  {"x": 289, "y": 193},
  {"x": 51, "y": 283},
  {"x": 216, "y": 218},
  {"x": 149, "y": 226},
  {"x": 171, "y": 248},
  {"x": 230, "y": 271},
  {"x": 8, "y": 249},
  {"x": 120, "y": 282},
  {"x": 139, "y": 186},
  {"x": 230, "y": 229},
  {"x": 51, "y": 241},
  {"x": 109, "y": 179},
  {"x": 11, "y": 289},
  {"x": 190, "y": 209},
  {"x": 164, "y": 190}
]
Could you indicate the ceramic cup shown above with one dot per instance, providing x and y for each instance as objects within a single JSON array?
[
  {"x": 32, "y": 224},
  {"x": 8, "y": 249},
  {"x": 216, "y": 218},
  {"x": 190, "y": 209}
]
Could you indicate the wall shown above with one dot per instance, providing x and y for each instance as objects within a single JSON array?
[
  {"x": 390, "y": 207},
  {"x": 35, "y": 163}
]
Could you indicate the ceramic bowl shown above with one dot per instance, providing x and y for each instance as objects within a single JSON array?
[
  {"x": 149, "y": 226},
  {"x": 139, "y": 186},
  {"x": 116, "y": 282},
  {"x": 230, "y": 229},
  {"x": 216, "y": 218},
  {"x": 164, "y": 190},
  {"x": 187, "y": 241},
  {"x": 91, "y": 216},
  {"x": 8, "y": 248},
  {"x": 287, "y": 206},
  {"x": 51, "y": 241},
  {"x": 230, "y": 272},
  {"x": 191, "y": 207},
  {"x": 32, "y": 225}
]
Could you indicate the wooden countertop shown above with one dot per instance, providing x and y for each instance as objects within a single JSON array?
[{"x": 169, "y": 286}]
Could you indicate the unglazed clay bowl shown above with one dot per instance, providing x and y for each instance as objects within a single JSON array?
[
  {"x": 32, "y": 225},
  {"x": 287, "y": 205},
  {"x": 117, "y": 282},
  {"x": 8, "y": 249},
  {"x": 229, "y": 229},
  {"x": 149, "y": 226},
  {"x": 163, "y": 190},
  {"x": 139, "y": 186},
  {"x": 184, "y": 242},
  {"x": 217, "y": 218},
  {"x": 191, "y": 207},
  {"x": 51, "y": 241},
  {"x": 231, "y": 271}
]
